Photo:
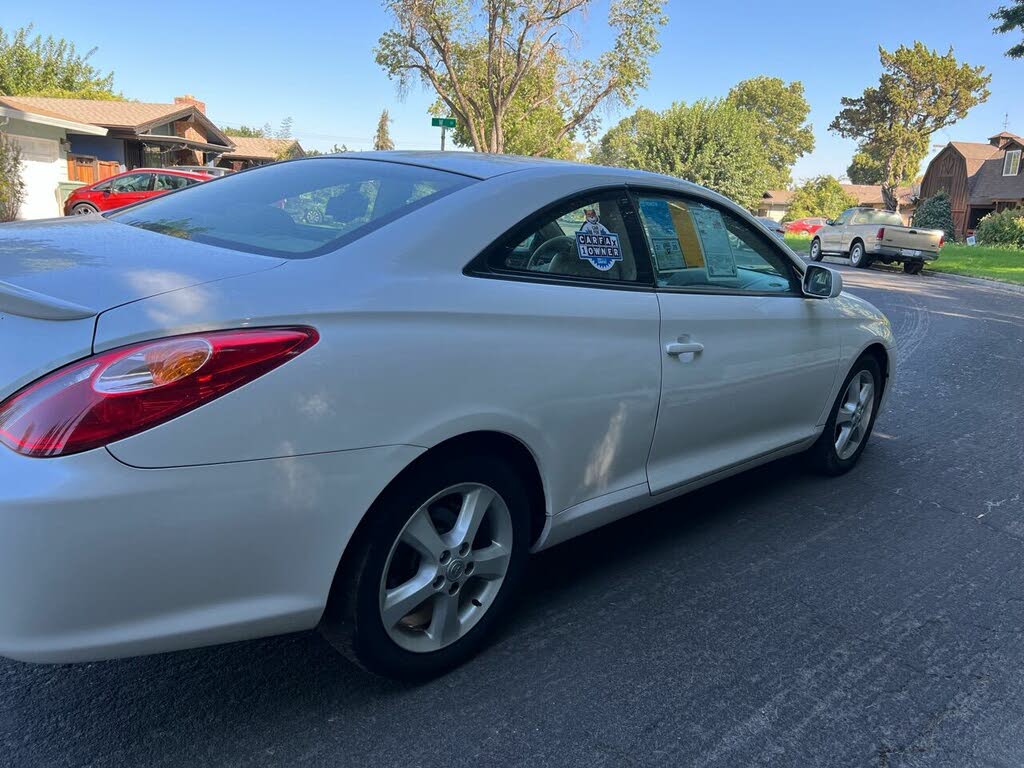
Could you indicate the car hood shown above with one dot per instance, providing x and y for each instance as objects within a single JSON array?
[{"x": 60, "y": 269}]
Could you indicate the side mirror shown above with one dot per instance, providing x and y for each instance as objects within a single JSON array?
[
  {"x": 821, "y": 282},
  {"x": 106, "y": 192},
  {"x": 829, "y": 222}
]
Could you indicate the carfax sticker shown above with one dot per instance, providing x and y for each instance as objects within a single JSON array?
[{"x": 597, "y": 244}]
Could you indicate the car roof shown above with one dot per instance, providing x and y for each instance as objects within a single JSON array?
[
  {"x": 177, "y": 171},
  {"x": 482, "y": 165}
]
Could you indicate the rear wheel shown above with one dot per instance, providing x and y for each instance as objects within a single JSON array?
[
  {"x": 851, "y": 420},
  {"x": 815, "y": 251},
  {"x": 858, "y": 257},
  {"x": 435, "y": 568},
  {"x": 913, "y": 267},
  {"x": 83, "y": 209}
]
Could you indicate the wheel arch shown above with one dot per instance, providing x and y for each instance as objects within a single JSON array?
[{"x": 491, "y": 442}]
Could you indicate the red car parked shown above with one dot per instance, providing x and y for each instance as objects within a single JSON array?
[
  {"x": 127, "y": 188},
  {"x": 808, "y": 226}
]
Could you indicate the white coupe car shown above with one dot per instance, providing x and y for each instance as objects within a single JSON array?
[{"x": 221, "y": 421}]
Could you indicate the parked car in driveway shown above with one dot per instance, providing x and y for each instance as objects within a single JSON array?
[
  {"x": 209, "y": 170},
  {"x": 867, "y": 235},
  {"x": 806, "y": 226},
  {"x": 127, "y": 188},
  {"x": 220, "y": 422}
]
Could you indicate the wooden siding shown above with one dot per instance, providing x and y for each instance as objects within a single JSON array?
[{"x": 948, "y": 171}]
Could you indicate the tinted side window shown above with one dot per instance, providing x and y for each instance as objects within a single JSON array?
[
  {"x": 586, "y": 239},
  {"x": 168, "y": 181},
  {"x": 700, "y": 247},
  {"x": 133, "y": 182},
  {"x": 843, "y": 218}
]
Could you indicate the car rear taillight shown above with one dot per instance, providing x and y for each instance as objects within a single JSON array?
[
  {"x": 942, "y": 240},
  {"x": 881, "y": 233},
  {"x": 121, "y": 392}
]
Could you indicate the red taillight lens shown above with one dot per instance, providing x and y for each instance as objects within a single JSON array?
[
  {"x": 942, "y": 240},
  {"x": 881, "y": 233},
  {"x": 125, "y": 391}
]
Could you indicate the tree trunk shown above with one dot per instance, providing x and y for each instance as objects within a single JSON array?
[{"x": 889, "y": 197}]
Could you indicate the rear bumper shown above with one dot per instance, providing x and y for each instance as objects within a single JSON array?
[
  {"x": 98, "y": 559},
  {"x": 877, "y": 249}
]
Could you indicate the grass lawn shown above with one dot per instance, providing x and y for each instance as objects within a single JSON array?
[{"x": 1004, "y": 264}]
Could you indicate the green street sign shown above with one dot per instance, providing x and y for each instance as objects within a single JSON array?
[{"x": 443, "y": 122}]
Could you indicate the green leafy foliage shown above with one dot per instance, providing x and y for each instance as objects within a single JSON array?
[
  {"x": 1011, "y": 18},
  {"x": 712, "y": 143},
  {"x": 822, "y": 196},
  {"x": 34, "y": 66},
  {"x": 507, "y": 70},
  {"x": 382, "y": 139},
  {"x": 1005, "y": 229},
  {"x": 936, "y": 213},
  {"x": 782, "y": 110},
  {"x": 868, "y": 168},
  {"x": 919, "y": 92},
  {"x": 284, "y": 131},
  {"x": 12, "y": 185}
]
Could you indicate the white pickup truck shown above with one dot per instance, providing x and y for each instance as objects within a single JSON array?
[{"x": 868, "y": 235}]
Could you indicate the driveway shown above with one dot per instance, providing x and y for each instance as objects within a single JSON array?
[{"x": 777, "y": 619}]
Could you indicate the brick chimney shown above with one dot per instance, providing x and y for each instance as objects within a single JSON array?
[{"x": 188, "y": 98}]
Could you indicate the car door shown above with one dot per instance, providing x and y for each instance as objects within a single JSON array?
[
  {"x": 127, "y": 189},
  {"x": 747, "y": 361},
  {"x": 831, "y": 235}
]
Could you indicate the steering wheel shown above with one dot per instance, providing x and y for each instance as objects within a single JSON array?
[{"x": 550, "y": 249}]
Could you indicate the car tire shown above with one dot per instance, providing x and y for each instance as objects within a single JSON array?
[
  {"x": 828, "y": 455},
  {"x": 83, "y": 209},
  {"x": 858, "y": 256},
  {"x": 815, "y": 252},
  {"x": 358, "y": 621},
  {"x": 913, "y": 267}
]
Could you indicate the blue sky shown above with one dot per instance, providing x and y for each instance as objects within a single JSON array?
[{"x": 254, "y": 62}]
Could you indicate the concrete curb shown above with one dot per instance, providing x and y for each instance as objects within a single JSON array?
[{"x": 982, "y": 281}]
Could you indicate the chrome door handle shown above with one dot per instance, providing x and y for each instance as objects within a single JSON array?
[{"x": 681, "y": 348}]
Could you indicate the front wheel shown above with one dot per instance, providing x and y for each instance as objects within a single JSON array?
[
  {"x": 436, "y": 567},
  {"x": 816, "y": 253},
  {"x": 858, "y": 257},
  {"x": 913, "y": 267},
  {"x": 851, "y": 420}
]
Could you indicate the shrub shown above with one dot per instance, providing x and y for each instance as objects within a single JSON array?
[
  {"x": 1005, "y": 228},
  {"x": 12, "y": 186},
  {"x": 936, "y": 213}
]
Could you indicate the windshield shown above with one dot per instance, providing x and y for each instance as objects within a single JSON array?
[{"x": 297, "y": 209}]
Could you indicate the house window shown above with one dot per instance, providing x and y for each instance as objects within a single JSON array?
[{"x": 1011, "y": 163}]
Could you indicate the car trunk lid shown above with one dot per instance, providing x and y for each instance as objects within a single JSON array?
[
  {"x": 57, "y": 275},
  {"x": 912, "y": 239}
]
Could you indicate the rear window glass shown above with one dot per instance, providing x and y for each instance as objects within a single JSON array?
[
  {"x": 879, "y": 217},
  {"x": 297, "y": 209}
]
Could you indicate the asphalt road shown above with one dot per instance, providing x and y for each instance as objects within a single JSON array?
[{"x": 776, "y": 619}]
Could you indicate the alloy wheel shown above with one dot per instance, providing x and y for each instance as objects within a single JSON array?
[
  {"x": 854, "y": 416},
  {"x": 446, "y": 567}
]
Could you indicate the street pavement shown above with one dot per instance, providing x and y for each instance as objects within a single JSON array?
[{"x": 776, "y": 619}]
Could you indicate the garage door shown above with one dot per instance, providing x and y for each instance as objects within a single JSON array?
[{"x": 41, "y": 171}]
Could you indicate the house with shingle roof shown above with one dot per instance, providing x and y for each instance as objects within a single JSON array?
[
  {"x": 979, "y": 178},
  {"x": 250, "y": 151},
  {"x": 137, "y": 134}
]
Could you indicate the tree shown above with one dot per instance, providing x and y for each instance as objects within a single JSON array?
[
  {"x": 919, "y": 92},
  {"x": 867, "y": 168},
  {"x": 284, "y": 131},
  {"x": 936, "y": 213},
  {"x": 822, "y": 197},
  {"x": 382, "y": 139},
  {"x": 33, "y": 66},
  {"x": 332, "y": 151},
  {"x": 12, "y": 185},
  {"x": 1011, "y": 17},
  {"x": 783, "y": 111},
  {"x": 713, "y": 143},
  {"x": 478, "y": 55}
]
